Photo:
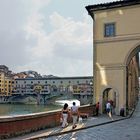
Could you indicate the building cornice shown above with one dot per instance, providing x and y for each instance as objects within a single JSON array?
[
  {"x": 111, "y": 5},
  {"x": 56, "y": 78},
  {"x": 118, "y": 66},
  {"x": 118, "y": 39}
]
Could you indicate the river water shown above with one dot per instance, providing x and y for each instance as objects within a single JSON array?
[{"x": 22, "y": 109}]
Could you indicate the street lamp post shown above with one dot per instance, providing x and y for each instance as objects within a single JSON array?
[{"x": 91, "y": 90}]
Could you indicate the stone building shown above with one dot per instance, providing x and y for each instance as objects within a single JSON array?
[
  {"x": 116, "y": 41},
  {"x": 6, "y": 81},
  {"x": 40, "y": 90},
  {"x": 53, "y": 84}
]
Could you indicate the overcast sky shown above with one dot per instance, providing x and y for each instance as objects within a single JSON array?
[{"x": 47, "y": 36}]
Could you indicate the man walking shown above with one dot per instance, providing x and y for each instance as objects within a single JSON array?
[{"x": 75, "y": 114}]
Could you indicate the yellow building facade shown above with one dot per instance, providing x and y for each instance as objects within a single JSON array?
[
  {"x": 116, "y": 41},
  {"x": 6, "y": 85}
]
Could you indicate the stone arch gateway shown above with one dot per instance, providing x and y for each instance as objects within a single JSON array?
[
  {"x": 116, "y": 42},
  {"x": 109, "y": 94}
]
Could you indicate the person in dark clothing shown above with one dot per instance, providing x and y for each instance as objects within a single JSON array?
[
  {"x": 97, "y": 108},
  {"x": 65, "y": 112}
]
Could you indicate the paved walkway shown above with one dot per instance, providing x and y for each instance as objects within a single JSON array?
[
  {"x": 126, "y": 129},
  {"x": 87, "y": 123}
]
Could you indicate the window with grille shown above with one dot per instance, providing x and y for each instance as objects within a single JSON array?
[{"x": 109, "y": 29}]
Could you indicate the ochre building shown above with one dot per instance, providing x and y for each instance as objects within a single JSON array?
[
  {"x": 116, "y": 42},
  {"x": 6, "y": 84}
]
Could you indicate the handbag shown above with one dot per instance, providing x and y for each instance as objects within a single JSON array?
[
  {"x": 80, "y": 120},
  {"x": 61, "y": 119}
]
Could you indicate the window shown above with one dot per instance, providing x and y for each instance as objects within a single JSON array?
[{"x": 109, "y": 29}]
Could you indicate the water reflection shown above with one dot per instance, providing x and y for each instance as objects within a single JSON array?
[
  {"x": 22, "y": 109},
  {"x": 69, "y": 102}
]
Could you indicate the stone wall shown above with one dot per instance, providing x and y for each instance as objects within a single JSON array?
[{"x": 12, "y": 126}]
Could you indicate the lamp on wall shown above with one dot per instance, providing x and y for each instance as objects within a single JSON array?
[
  {"x": 91, "y": 84},
  {"x": 91, "y": 92}
]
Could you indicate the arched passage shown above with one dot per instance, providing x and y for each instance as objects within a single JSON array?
[
  {"x": 112, "y": 95},
  {"x": 132, "y": 77}
]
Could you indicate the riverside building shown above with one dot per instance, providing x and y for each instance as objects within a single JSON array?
[
  {"x": 6, "y": 81},
  {"x": 41, "y": 89},
  {"x": 31, "y": 88},
  {"x": 53, "y": 84}
]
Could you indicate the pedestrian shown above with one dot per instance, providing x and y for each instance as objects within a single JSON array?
[
  {"x": 97, "y": 108},
  {"x": 111, "y": 106},
  {"x": 75, "y": 114},
  {"x": 108, "y": 109},
  {"x": 64, "y": 114}
]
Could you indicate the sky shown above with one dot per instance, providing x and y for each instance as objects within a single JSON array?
[{"x": 48, "y": 36}]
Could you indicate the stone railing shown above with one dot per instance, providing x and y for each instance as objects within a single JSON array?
[{"x": 13, "y": 126}]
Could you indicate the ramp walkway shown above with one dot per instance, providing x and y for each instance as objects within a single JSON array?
[{"x": 86, "y": 123}]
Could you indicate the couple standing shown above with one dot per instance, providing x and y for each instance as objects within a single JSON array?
[{"x": 74, "y": 112}]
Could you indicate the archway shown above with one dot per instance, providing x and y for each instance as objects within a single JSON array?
[
  {"x": 110, "y": 94},
  {"x": 132, "y": 78}
]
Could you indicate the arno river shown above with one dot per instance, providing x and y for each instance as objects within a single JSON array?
[{"x": 22, "y": 109}]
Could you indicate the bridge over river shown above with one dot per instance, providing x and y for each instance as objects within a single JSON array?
[{"x": 33, "y": 98}]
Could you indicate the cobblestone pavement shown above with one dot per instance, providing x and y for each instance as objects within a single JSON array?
[
  {"x": 128, "y": 129},
  {"x": 94, "y": 128},
  {"x": 90, "y": 122}
]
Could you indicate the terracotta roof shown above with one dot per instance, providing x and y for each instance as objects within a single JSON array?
[{"x": 111, "y": 5}]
